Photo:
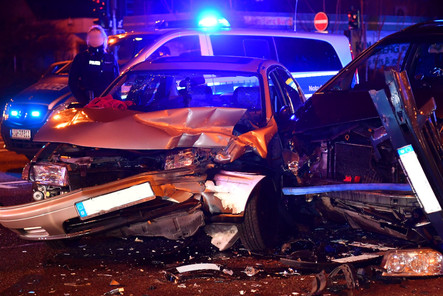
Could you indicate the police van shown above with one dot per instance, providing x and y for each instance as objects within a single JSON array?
[{"x": 312, "y": 58}]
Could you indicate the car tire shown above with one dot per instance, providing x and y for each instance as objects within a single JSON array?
[{"x": 260, "y": 227}]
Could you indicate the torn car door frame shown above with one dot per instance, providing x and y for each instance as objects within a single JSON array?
[{"x": 412, "y": 134}]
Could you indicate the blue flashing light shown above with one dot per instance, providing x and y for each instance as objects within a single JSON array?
[
  {"x": 224, "y": 22},
  {"x": 35, "y": 113},
  {"x": 212, "y": 20},
  {"x": 209, "y": 21},
  {"x": 14, "y": 113}
]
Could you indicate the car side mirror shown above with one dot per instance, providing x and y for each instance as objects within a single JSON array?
[
  {"x": 75, "y": 105},
  {"x": 284, "y": 114}
]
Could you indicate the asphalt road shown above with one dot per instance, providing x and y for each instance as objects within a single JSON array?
[{"x": 104, "y": 266}]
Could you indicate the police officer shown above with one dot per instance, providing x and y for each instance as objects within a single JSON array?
[{"x": 94, "y": 69}]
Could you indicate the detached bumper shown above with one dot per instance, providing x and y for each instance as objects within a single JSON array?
[{"x": 63, "y": 216}]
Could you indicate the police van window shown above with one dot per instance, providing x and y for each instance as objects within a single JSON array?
[
  {"x": 127, "y": 47},
  {"x": 369, "y": 72},
  {"x": 289, "y": 87},
  {"x": 180, "y": 46},
  {"x": 282, "y": 89},
  {"x": 303, "y": 55},
  {"x": 249, "y": 46}
]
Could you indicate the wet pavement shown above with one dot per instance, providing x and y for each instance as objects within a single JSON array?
[{"x": 139, "y": 266}]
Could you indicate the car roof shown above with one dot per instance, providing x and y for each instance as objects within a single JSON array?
[
  {"x": 421, "y": 30},
  {"x": 414, "y": 33},
  {"x": 223, "y": 63}
]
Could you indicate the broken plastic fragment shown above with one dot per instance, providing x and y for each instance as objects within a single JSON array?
[
  {"x": 198, "y": 266},
  {"x": 137, "y": 240},
  {"x": 251, "y": 271},
  {"x": 228, "y": 271},
  {"x": 117, "y": 291},
  {"x": 352, "y": 259},
  {"x": 114, "y": 283},
  {"x": 223, "y": 236},
  {"x": 323, "y": 280},
  {"x": 193, "y": 271}
]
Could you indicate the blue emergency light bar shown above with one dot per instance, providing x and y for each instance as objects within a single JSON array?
[{"x": 212, "y": 20}]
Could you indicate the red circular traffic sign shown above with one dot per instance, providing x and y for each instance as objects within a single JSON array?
[{"x": 321, "y": 21}]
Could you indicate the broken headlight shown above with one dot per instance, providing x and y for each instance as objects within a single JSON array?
[
  {"x": 49, "y": 174},
  {"x": 413, "y": 262},
  {"x": 180, "y": 159}
]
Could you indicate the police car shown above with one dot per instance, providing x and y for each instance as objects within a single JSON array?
[{"x": 27, "y": 112}]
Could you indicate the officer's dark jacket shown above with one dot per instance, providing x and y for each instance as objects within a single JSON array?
[{"x": 91, "y": 72}]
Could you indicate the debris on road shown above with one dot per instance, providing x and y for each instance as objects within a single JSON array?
[
  {"x": 198, "y": 266},
  {"x": 117, "y": 291},
  {"x": 251, "y": 271},
  {"x": 342, "y": 277},
  {"x": 184, "y": 272}
]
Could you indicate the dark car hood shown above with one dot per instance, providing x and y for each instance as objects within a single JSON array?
[
  {"x": 45, "y": 91},
  {"x": 117, "y": 129}
]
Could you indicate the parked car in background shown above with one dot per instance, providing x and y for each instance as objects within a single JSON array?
[
  {"x": 27, "y": 112},
  {"x": 175, "y": 144}
]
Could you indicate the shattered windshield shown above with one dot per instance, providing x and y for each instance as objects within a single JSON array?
[{"x": 153, "y": 91}]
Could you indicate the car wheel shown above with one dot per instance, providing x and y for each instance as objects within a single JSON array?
[{"x": 260, "y": 228}]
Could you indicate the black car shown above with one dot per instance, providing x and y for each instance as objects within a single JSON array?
[
  {"x": 418, "y": 50},
  {"x": 372, "y": 131}
]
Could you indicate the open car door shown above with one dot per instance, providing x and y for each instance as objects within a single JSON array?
[{"x": 413, "y": 133}]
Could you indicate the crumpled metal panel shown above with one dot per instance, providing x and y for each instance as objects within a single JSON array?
[
  {"x": 257, "y": 139},
  {"x": 167, "y": 129},
  {"x": 116, "y": 129},
  {"x": 230, "y": 192}
]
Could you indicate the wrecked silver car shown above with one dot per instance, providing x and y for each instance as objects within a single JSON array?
[{"x": 174, "y": 145}]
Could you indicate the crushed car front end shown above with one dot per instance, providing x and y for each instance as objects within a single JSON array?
[{"x": 157, "y": 168}]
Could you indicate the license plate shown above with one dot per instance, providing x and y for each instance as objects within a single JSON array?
[
  {"x": 115, "y": 200},
  {"x": 23, "y": 134}
]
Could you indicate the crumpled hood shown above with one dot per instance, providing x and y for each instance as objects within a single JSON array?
[{"x": 115, "y": 129}]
